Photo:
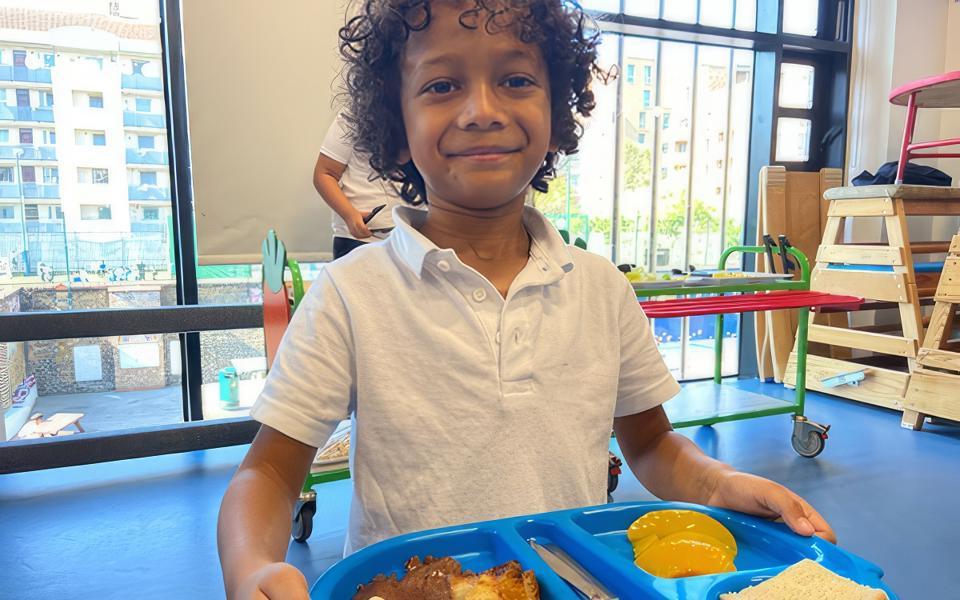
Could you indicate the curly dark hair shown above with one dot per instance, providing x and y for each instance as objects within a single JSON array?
[{"x": 372, "y": 42}]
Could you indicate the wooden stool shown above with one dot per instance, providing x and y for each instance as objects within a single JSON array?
[
  {"x": 884, "y": 274},
  {"x": 939, "y": 91},
  {"x": 935, "y": 383}
]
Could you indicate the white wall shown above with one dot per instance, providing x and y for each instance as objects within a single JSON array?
[{"x": 896, "y": 42}]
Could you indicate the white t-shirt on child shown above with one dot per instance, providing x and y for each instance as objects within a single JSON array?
[
  {"x": 362, "y": 192},
  {"x": 465, "y": 406}
]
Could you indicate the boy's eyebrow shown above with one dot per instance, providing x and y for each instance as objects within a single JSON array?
[{"x": 453, "y": 58}]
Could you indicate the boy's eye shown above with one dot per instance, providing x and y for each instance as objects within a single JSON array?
[
  {"x": 518, "y": 81},
  {"x": 440, "y": 87}
]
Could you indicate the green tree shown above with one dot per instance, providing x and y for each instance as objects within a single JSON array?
[
  {"x": 554, "y": 202},
  {"x": 636, "y": 167},
  {"x": 671, "y": 222},
  {"x": 734, "y": 234}
]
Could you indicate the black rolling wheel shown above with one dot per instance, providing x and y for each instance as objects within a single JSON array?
[
  {"x": 809, "y": 445},
  {"x": 303, "y": 520}
]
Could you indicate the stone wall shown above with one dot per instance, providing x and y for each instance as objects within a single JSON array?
[
  {"x": 53, "y": 361},
  {"x": 217, "y": 348},
  {"x": 79, "y": 297},
  {"x": 13, "y": 364}
]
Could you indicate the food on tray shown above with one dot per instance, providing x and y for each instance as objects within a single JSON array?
[
  {"x": 443, "y": 579},
  {"x": 807, "y": 580},
  {"x": 681, "y": 543},
  {"x": 337, "y": 447},
  {"x": 638, "y": 275},
  {"x": 729, "y": 274}
]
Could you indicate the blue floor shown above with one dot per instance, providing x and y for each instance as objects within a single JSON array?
[{"x": 147, "y": 528}]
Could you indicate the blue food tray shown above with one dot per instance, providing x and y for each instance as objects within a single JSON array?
[{"x": 596, "y": 538}]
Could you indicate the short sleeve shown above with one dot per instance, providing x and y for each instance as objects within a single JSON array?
[
  {"x": 645, "y": 381},
  {"x": 337, "y": 144},
  {"x": 310, "y": 386}
]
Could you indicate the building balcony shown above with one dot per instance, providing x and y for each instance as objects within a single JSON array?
[
  {"x": 148, "y": 192},
  {"x": 135, "y": 119},
  {"x": 10, "y": 73},
  {"x": 31, "y": 191},
  {"x": 137, "y": 156},
  {"x": 141, "y": 82},
  {"x": 26, "y": 113},
  {"x": 29, "y": 152}
]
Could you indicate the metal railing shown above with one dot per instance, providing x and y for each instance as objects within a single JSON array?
[
  {"x": 135, "y": 119},
  {"x": 148, "y": 192},
  {"x": 26, "y": 113},
  {"x": 28, "y": 152},
  {"x": 25, "y": 74},
  {"x": 137, "y": 156},
  {"x": 31, "y": 191},
  {"x": 141, "y": 82}
]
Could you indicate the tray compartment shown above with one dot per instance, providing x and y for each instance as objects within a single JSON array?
[{"x": 477, "y": 548}]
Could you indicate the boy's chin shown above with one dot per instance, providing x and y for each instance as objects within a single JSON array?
[{"x": 486, "y": 202}]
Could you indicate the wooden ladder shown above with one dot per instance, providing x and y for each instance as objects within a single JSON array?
[
  {"x": 934, "y": 387},
  {"x": 883, "y": 274}
]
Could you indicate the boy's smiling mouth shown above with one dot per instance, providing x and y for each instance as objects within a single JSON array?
[{"x": 485, "y": 153}]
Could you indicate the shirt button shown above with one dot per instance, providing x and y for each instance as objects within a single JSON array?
[
  {"x": 479, "y": 295},
  {"x": 443, "y": 266},
  {"x": 517, "y": 336},
  {"x": 498, "y": 337}
]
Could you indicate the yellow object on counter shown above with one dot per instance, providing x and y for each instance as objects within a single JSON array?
[{"x": 681, "y": 543}]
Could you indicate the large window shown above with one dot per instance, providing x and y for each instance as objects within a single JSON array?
[
  {"x": 673, "y": 205},
  {"x": 707, "y": 93},
  {"x": 683, "y": 139},
  {"x": 71, "y": 245}
]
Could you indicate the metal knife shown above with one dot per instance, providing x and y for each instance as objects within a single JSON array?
[{"x": 571, "y": 572}]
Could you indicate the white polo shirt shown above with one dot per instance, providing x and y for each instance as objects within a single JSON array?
[{"x": 465, "y": 406}]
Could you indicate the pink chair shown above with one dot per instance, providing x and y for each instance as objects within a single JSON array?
[{"x": 939, "y": 91}]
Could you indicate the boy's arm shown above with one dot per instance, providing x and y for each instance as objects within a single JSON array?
[
  {"x": 253, "y": 530},
  {"x": 673, "y": 468},
  {"x": 326, "y": 178}
]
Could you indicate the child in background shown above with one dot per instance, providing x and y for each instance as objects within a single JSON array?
[
  {"x": 344, "y": 180},
  {"x": 481, "y": 359}
]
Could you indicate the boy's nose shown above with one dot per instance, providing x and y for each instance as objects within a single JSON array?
[{"x": 482, "y": 110}]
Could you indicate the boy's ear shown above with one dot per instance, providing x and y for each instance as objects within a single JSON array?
[{"x": 403, "y": 156}]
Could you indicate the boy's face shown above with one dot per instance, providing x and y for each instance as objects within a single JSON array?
[{"x": 476, "y": 108}]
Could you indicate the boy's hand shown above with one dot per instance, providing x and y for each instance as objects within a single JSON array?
[
  {"x": 758, "y": 496},
  {"x": 274, "y": 581},
  {"x": 357, "y": 227}
]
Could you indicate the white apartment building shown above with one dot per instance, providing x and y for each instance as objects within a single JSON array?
[{"x": 83, "y": 145}]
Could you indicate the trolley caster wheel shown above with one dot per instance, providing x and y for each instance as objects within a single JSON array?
[
  {"x": 303, "y": 520},
  {"x": 613, "y": 476},
  {"x": 808, "y": 438}
]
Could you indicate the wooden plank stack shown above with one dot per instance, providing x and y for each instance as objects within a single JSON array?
[{"x": 791, "y": 203}]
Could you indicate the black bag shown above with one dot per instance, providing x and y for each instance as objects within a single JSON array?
[{"x": 914, "y": 174}]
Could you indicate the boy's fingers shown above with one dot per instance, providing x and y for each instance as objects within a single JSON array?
[
  {"x": 801, "y": 517},
  {"x": 820, "y": 524},
  {"x": 287, "y": 588},
  {"x": 284, "y": 582}
]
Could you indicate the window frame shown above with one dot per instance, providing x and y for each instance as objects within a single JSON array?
[{"x": 188, "y": 318}]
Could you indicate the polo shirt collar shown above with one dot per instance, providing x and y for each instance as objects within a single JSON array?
[{"x": 413, "y": 247}]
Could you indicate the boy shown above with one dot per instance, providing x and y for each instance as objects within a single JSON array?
[{"x": 486, "y": 380}]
